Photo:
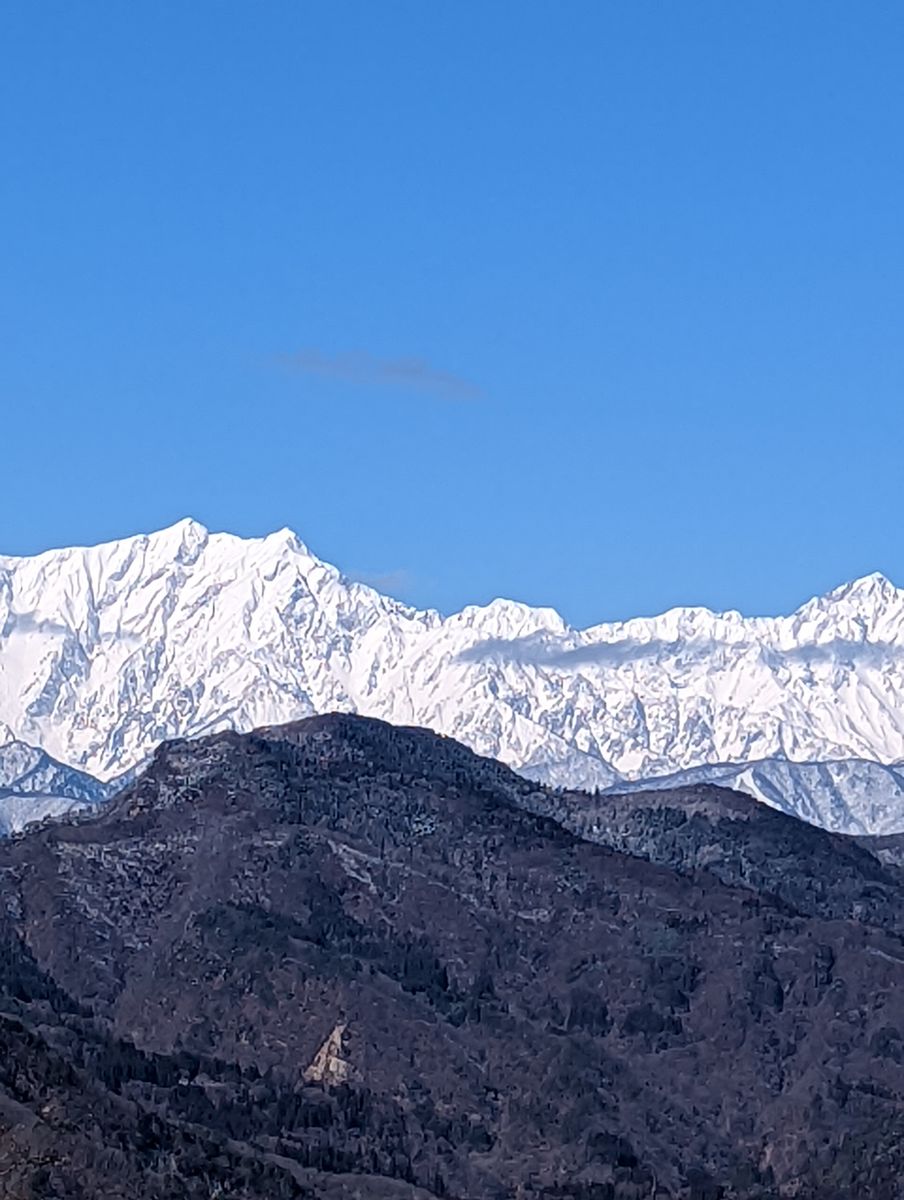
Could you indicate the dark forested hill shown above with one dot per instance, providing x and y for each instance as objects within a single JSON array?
[
  {"x": 743, "y": 842},
  {"x": 340, "y": 959}
]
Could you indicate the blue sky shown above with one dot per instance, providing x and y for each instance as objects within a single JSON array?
[{"x": 596, "y": 305}]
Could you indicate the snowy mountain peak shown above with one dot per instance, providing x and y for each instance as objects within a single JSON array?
[
  {"x": 870, "y": 592},
  {"x": 188, "y": 527},
  {"x": 106, "y": 651},
  {"x": 509, "y": 619},
  {"x": 186, "y": 539}
]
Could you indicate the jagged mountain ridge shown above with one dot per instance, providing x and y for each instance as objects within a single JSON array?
[
  {"x": 343, "y": 947},
  {"x": 107, "y": 651}
]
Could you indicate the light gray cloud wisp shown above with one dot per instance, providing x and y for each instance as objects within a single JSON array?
[
  {"x": 539, "y": 652},
  {"x": 413, "y": 374},
  {"x": 844, "y": 650},
  {"x": 29, "y": 622}
]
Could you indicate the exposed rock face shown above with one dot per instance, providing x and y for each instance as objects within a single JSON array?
[
  {"x": 329, "y": 1066},
  {"x": 521, "y": 1012}
]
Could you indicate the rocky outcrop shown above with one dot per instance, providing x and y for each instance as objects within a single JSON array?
[{"x": 329, "y": 1066}]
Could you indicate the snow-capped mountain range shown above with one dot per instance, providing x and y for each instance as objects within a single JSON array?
[{"x": 106, "y": 651}]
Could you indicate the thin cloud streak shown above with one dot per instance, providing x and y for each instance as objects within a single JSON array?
[
  {"x": 537, "y": 652},
  {"x": 532, "y": 651},
  {"x": 414, "y": 374},
  {"x": 29, "y": 622},
  {"x": 844, "y": 650}
]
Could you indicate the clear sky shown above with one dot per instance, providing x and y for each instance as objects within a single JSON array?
[{"x": 595, "y": 304}]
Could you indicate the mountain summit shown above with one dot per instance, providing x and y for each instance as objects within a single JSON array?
[{"x": 107, "y": 651}]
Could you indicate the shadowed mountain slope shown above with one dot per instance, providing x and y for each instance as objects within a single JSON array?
[
  {"x": 744, "y": 843},
  {"x": 355, "y": 959},
  {"x": 852, "y": 795}
]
